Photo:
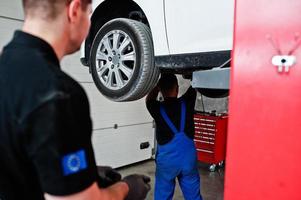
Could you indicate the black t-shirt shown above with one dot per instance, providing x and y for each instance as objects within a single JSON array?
[
  {"x": 45, "y": 125},
  {"x": 173, "y": 109}
]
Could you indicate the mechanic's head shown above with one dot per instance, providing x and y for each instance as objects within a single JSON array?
[
  {"x": 49, "y": 9},
  {"x": 168, "y": 85},
  {"x": 67, "y": 18}
]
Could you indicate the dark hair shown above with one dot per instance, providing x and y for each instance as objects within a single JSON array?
[
  {"x": 167, "y": 82},
  {"x": 50, "y": 8}
]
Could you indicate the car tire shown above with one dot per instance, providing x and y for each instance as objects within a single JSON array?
[{"x": 122, "y": 60}]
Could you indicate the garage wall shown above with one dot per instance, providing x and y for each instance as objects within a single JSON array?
[
  {"x": 11, "y": 17},
  {"x": 11, "y": 8},
  {"x": 118, "y": 128}
]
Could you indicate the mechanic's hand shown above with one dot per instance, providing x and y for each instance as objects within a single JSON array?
[
  {"x": 107, "y": 176},
  {"x": 138, "y": 186}
]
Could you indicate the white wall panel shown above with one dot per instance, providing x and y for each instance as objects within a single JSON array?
[
  {"x": 123, "y": 143},
  {"x": 11, "y": 8}
]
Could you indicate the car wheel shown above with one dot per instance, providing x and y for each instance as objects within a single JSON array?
[{"x": 122, "y": 60}]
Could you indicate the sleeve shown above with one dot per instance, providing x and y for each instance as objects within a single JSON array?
[
  {"x": 190, "y": 95},
  {"x": 153, "y": 107},
  {"x": 59, "y": 146}
]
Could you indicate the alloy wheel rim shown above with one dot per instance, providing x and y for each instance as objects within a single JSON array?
[{"x": 115, "y": 59}]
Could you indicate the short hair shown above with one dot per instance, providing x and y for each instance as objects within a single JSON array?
[
  {"x": 49, "y": 8},
  {"x": 167, "y": 82}
]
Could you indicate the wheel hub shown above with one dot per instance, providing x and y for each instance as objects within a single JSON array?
[{"x": 115, "y": 60}]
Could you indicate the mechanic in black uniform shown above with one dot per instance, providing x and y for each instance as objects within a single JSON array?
[
  {"x": 176, "y": 153},
  {"x": 45, "y": 125}
]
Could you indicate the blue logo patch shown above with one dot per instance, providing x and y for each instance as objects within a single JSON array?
[{"x": 74, "y": 162}]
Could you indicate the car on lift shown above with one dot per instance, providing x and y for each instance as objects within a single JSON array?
[{"x": 131, "y": 41}]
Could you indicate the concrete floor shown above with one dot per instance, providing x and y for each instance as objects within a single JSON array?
[{"x": 212, "y": 183}]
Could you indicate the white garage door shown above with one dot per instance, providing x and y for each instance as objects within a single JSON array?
[{"x": 118, "y": 128}]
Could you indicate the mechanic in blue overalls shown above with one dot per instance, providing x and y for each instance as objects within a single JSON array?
[{"x": 176, "y": 154}]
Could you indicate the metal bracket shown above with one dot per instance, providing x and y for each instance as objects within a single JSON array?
[
  {"x": 216, "y": 78},
  {"x": 283, "y": 62}
]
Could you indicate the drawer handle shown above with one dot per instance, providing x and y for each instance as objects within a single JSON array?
[{"x": 206, "y": 151}]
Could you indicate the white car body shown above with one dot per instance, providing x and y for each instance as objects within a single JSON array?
[{"x": 190, "y": 26}]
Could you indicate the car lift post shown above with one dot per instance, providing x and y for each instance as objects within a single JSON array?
[{"x": 264, "y": 133}]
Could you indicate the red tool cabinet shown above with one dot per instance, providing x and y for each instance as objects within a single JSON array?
[{"x": 210, "y": 138}]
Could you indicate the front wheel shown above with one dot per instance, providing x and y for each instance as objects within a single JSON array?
[{"x": 122, "y": 60}]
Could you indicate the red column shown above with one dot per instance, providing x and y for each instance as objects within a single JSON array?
[{"x": 264, "y": 133}]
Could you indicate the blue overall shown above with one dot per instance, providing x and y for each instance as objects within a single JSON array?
[{"x": 177, "y": 159}]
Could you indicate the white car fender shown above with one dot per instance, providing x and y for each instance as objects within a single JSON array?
[{"x": 154, "y": 11}]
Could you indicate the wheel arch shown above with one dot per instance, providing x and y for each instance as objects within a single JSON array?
[{"x": 107, "y": 11}]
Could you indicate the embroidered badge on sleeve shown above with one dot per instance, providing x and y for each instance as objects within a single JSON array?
[{"x": 74, "y": 162}]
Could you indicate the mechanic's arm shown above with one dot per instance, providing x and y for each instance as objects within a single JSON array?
[
  {"x": 116, "y": 191},
  {"x": 134, "y": 186},
  {"x": 153, "y": 94},
  {"x": 190, "y": 94},
  {"x": 62, "y": 153},
  {"x": 54, "y": 136}
]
